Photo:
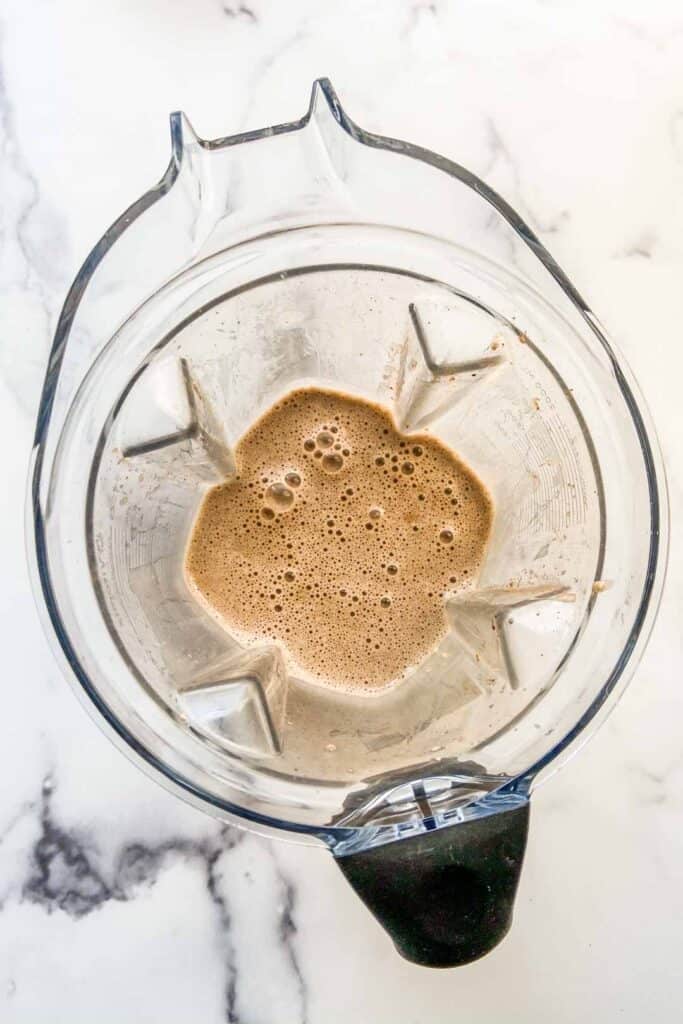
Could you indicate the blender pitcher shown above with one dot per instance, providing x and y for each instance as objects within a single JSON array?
[{"x": 316, "y": 252}]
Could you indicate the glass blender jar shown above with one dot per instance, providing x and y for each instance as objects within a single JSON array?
[{"x": 316, "y": 252}]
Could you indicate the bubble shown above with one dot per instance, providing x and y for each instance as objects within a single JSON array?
[
  {"x": 446, "y": 536},
  {"x": 385, "y": 602},
  {"x": 417, "y": 450},
  {"x": 289, "y": 576},
  {"x": 392, "y": 569},
  {"x": 309, "y": 445},
  {"x": 332, "y": 462},
  {"x": 267, "y": 513},
  {"x": 407, "y": 468},
  {"x": 379, "y": 461},
  {"x": 375, "y": 512},
  {"x": 279, "y": 496},
  {"x": 324, "y": 439},
  {"x": 293, "y": 479}
]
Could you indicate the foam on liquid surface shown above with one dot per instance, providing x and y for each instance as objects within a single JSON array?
[{"x": 339, "y": 538}]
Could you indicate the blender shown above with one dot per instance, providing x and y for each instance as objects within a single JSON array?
[{"x": 315, "y": 252}]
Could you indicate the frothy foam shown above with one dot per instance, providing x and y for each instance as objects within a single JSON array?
[{"x": 340, "y": 538}]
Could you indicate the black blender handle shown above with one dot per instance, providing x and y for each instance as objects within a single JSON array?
[{"x": 445, "y": 896}]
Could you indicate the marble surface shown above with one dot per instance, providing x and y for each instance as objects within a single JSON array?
[{"x": 118, "y": 902}]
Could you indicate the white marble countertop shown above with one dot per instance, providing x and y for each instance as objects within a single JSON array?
[{"x": 118, "y": 902}]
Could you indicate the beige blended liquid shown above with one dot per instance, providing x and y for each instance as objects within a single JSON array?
[{"x": 340, "y": 538}]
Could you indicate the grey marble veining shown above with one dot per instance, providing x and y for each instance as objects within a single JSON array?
[{"x": 118, "y": 902}]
